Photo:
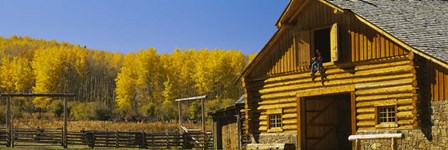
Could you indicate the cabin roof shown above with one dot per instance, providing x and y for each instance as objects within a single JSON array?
[{"x": 420, "y": 24}]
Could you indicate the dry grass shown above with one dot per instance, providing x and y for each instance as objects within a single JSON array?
[{"x": 51, "y": 122}]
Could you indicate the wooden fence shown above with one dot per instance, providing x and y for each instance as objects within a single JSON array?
[{"x": 95, "y": 138}]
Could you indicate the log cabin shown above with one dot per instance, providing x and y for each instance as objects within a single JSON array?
[{"x": 384, "y": 84}]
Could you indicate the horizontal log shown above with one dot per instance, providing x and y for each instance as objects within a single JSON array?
[
  {"x": 326, "y": 90},
  {"x": 405, "y": 114},
  {"x": 290, "y": 110},
  {"x": 405, "y": 108},
  {"x": 263, "y": 128},
  {"x": 284, "y": 105},
  {"x": 405, "y": 81},
  {"x": 366, "y": 128},
  {"x": 408, "y": 101},
  {"x": 290, "y": 127},
  {"x": 263, "y": 117},
  {"x": 375, "y": 136},
  {"x": 382, "y": 65},
  {"x": 285, "y": 100},
  {"x": 387, "y": 90},
  {"x": 286, "y": 78},
  {"x": 365, "y": 110},
  {"x": 263, "y": 123},
  {"x": 405, "y": 122},
  {"x": 365, "y": 123},
  {"x": 365, "y": 117},
  {"x": 289, "y": 121},
  {"x": 384, "y": 97},
  {"x": 289, "y": 115},
  {"x": 382, "y": 102},
  {"x": 279, "y": 95}
]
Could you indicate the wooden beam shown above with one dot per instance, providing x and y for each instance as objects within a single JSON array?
[
  {"x": 336, "y": 9},
  {"x": 353, "y": 111},
  {"x": 375, "y": 136},
  {"x": 191, "y": 98},
  {"x": 37, "y": 95}
]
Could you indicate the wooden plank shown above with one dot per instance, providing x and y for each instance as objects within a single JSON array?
[
  {"x": 445, "y": 87},
  {"x": 436, "y": 84},
  {"x": 375, "y": 136},
  {"x": 301, "y": 121},
  {"x": 191, "y": 98},
  {"x": 361, "y": 42},
  {"x": 353, "y": 111},
  {"x": 369, "y": 44},
  {"x": 334, "y": 42},
  {"x": 441, "y": 84},
  {"x": 38, "y": 94}
]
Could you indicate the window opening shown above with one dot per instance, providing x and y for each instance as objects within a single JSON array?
[
  {"x": 322, "y": 42},
  {"x": 386, "y": 114},
  {"x": 275, "y": 121}
]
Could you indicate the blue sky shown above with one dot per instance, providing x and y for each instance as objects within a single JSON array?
[{"x": 129, "y": 25}]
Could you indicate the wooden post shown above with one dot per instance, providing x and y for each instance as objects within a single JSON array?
[
  {"x": 203, "y": 123},
  {"x": 179, "y": 108},
  {"x": 167, "y": 140},
  {"x": 143, "y": 139},
  {"x": 238, "y": 127},
  {"x": 64, "y": 136},
  {"x": 215, "y": 133},
  {"x": 393, "y": 143},
  {"x": 8, "y": 121},
  {"x": 117, "y": 141}
]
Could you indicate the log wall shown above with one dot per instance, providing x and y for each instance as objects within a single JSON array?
[{"x": 376, "y": 82}]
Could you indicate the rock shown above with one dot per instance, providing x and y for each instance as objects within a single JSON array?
[{"x": 375, "y": 146}]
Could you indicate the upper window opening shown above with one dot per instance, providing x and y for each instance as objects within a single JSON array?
[{"x": 322, "y": 42}]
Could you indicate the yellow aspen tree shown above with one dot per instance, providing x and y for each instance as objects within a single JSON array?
[
  {"x": 48, "y": 65},
  {"x": 125, "y": 82}
]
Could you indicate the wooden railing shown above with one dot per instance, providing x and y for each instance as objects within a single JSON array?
[{"x": 96, "y": 138}]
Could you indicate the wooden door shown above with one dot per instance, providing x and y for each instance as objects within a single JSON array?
[
  {"x": 229, "y": 134},
  {"x": 327, "y": 122}
]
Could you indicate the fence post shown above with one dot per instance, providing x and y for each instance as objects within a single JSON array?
[
  {"x": 167, "y": 139},
  {"x": 64, "y": 131},
  {"x": 117, "y": 142},
  {"x": 185, "y": 144},
  {"x": 152, "y": 139},
  {"x": 107, "y": 137},
  {"x": 91, "y": 138},
  {"x": 8, "y": 121},
  {"x": 143, "y": 139}
]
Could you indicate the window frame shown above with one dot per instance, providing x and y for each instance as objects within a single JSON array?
[
  {"x": 279, "y": 120},
  {"x": 387, "y": 124}
]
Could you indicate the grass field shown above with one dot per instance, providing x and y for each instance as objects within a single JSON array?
[{"x": 105, "y": 125}]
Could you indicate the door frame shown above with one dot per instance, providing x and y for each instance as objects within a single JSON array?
[{"x": 301, "y": 96}]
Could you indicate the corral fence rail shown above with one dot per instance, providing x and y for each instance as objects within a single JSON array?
[{"x": 105, "y": 138}]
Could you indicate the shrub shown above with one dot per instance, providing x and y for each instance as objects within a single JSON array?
[
  {"x": 91, "y": 111},
  {"x": 56, "y": 107}
]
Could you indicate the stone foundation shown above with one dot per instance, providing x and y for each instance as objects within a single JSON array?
[
  {"x": 289, "y": 137},
  {"x": 431, "y": 135}
]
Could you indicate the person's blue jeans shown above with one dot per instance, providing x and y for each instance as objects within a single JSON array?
[{"x": 315, "y": 63}]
